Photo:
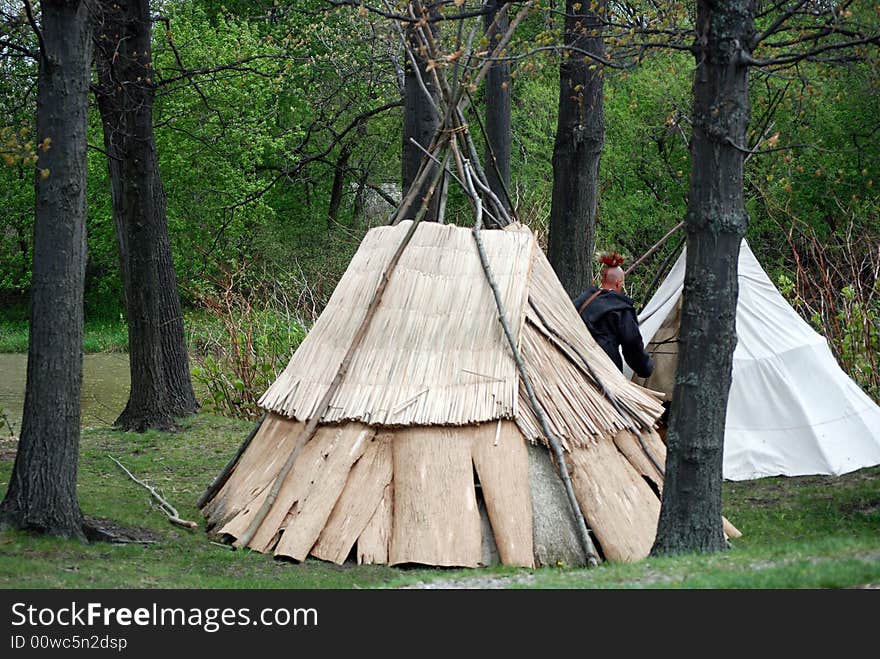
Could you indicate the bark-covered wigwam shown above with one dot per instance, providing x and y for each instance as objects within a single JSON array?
[{"x": 430, "y": 450}]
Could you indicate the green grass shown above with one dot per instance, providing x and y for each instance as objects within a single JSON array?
[
  {"x": 99, "y": 335},
  {"x": 111, "y": 334},
  {"x": 814, "y": 532}
]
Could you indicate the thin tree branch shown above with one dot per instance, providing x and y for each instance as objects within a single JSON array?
[
  {"x": 238, "y": 65},
  {"x": 33, "y": 23},
  {"x": 19, "y": 49},
  {"x": 779, "y": 21},
  {"x": 169, "y": 510},
  {"x": 809, "y": 55},
  {"x": 403, "y": 17}
]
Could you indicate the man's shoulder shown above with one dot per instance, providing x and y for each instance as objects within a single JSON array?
[
  {"x": 620, "y": 298},
  {"x": 584, "y": 295}
]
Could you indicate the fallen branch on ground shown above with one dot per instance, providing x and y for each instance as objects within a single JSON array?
[{"x": 167, "y": 508}]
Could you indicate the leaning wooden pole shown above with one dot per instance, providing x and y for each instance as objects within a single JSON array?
[
  {"x": 661, "y": 271},
  {"x": 583, "y": 532},
  {"x": 319, "y": 411},
  {"x": 585, "y": 363},
  {"x": 221, "y": 479},
  {"x": 653, "y": 249},
  {"x": 455, "y": 101}
]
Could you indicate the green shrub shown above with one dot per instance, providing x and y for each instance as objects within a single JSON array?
[{"x": 242, "y": 341}]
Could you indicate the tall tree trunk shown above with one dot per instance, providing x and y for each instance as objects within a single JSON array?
[
  {"x": 42, "y": 490},
  {"x": 420, "y": 120},
  {"x": 498, "y": 114},
  {"x": 580, "y": 135},
  {"x": 336, "y": 189},
  {"x": 161, "y": 388},
  {"x": 690, "y": 515}
]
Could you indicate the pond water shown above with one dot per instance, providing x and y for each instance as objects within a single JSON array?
[{"x": 105, "y": 388}]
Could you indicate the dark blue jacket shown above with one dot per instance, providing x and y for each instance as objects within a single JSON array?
[{"x": 611, "y": 319}]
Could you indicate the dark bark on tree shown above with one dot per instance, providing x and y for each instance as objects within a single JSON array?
[
  {"x": 42, "y": 489},
  {"x": 420, "y": 121},
  {"x": 358, "y": 203},
  {"x": 690, "y": 515},
  {"x": 580, "y": 135},
  {"x": 336, "y": 189},
  {"x": 498, "y": 114},
  {"x": 161, "y": 388}
]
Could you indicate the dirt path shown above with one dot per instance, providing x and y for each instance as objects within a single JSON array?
[{"x": 488, "y": 582}]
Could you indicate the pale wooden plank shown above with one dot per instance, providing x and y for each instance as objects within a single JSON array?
[
  {"x": 309, "y": 514},
  {"x": 258, "y": 465},
  {"x": 629, "y": 445},
  {"x": 375, "y": 541},
  {"x": 294, "y": 488},
  {"x": 500, "y": 455},
  {"x": 729, "y": 529},
  {"x": 237, "y": 525},
  {"x": 358, "y": 502},
  {"x": 618, "y": 505},
  {"x": 436, "y": 521}
]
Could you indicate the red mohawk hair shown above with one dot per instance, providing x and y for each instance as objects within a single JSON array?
[{"x": 611, "y": 260}]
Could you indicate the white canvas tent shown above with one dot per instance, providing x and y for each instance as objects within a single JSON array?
[{"x": 792, "y": 410}]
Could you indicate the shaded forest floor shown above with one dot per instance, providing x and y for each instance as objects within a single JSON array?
[{"x": 811, "y": 532}]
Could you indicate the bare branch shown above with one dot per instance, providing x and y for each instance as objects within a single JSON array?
[
  {"x": 169, "y": 510},
  {"x": 33, "y": 23},
  {"x": 19, "y": 49},
  {"x": 809, "y": 55},
  {"x": 779, "y": 21},
  {"x": 403, "y": 17}
]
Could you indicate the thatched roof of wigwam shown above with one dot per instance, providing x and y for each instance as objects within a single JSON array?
[
  {"x": 435, "y": 353},
  {"x": 554, "y": 344}
]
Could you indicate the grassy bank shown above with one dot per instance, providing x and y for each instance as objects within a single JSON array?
[
  {"x": 111, "y": 334},
  {"x": 813, "y": 532},
  {"x": 99, "y": 335}
]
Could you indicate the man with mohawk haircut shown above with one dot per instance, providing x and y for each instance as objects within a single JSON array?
[{"x": 611, "y": 318}]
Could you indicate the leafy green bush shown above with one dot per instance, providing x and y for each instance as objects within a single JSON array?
[
  {"x": 836, "y": 288},
  {"x": 243, "y": 340}
]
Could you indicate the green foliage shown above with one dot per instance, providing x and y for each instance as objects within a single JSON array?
[
  {"x": 645, "y": 164},
  {"x": 18, "y": 156},
  {"x": 247, "y": 152},
  {"x": 836, "y": 288},
  {"x": 211, "y": 136},
  {"x": 859, "y": 342},
  {"x": 100, "y": 334},
  {"x": 243, "y": 341}
]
